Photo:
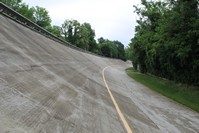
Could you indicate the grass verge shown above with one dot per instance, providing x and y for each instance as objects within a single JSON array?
[{"x": 186, "y": 95}]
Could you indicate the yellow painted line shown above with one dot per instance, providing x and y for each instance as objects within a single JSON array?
[{"x": 126, "y": 125}]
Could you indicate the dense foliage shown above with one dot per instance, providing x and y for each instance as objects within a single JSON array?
[
  {"x": 37, "y": 14},
  {"x": 80, "y": 35},
  {"x": 166, "y": 42},
  {"x": 113, "y": 49}
]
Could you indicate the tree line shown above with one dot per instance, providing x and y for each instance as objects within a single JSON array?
[
  {"x": 80, "y": 35},
  {"x": 166, "y": 43}
]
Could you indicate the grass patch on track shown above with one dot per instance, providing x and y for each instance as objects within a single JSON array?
[{"x": 186, "y": 95}]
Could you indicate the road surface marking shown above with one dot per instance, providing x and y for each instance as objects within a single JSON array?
[{"x": 128, "y": 129}]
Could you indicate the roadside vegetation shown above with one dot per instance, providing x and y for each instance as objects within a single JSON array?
[
  {"x": 166, "y": 45},
  {"x": 186, "y": 95},
  {"x": 166, "y": 42}
]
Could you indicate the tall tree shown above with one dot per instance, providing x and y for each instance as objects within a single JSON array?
[
  {"x": 41, "y": 17},
  {"x": 92, "y": 45},
  {"x": 101, "y": 40},
  {"x": 70, "y": 30},
  {"x": 120, "y": 49},
  {"x": 105, "y": 49},
  {"x": 81, "y": 35},
  {"x": 26, "y": 11},
  {"x": 83, "y": 38}
]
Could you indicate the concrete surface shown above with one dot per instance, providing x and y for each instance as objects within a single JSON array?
[{"x": 46, "y": 87}]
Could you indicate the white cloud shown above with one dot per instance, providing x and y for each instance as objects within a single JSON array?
[{"x": 112, "y": 19}]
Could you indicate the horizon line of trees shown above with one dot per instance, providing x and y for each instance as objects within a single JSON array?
[
  {"x": 80, "y": 35},
  {"x": 166, "y": 43}
]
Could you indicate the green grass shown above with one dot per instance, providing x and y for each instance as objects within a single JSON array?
[
  {"x": 130, "y": 68},
  {"x": 186, "y": 95}
]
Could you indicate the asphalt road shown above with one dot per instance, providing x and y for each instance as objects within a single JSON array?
[{"x": 46, "y": 87}]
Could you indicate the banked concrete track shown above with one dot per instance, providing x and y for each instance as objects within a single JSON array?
[{"x": 46, "y": 87}]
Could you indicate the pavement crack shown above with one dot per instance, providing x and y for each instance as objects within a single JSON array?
[{"x": 31, "y": 67}]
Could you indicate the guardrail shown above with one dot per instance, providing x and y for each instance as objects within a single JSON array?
[{"x": 12, "y": 14}]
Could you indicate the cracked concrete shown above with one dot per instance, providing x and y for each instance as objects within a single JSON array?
[{"x": 46, "y": 87}]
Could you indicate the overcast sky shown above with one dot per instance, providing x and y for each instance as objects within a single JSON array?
[{"x": 111, "y": 19}]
